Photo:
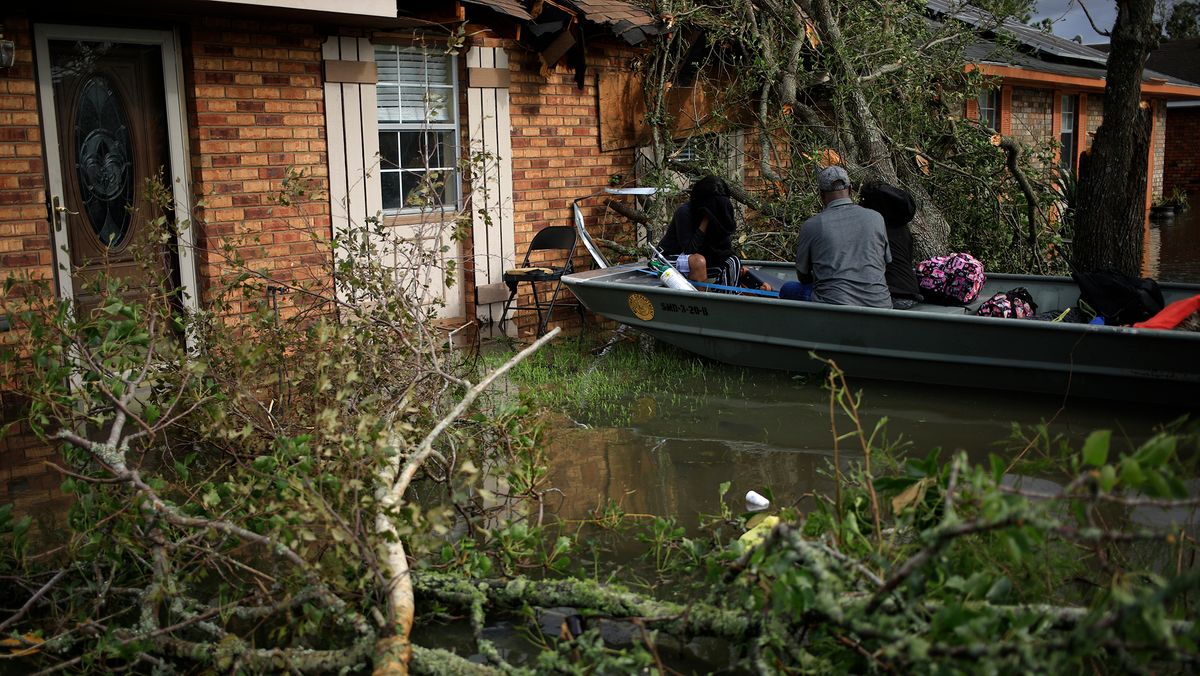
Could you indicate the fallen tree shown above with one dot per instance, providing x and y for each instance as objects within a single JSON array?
[{"x": 879, "y": 87}]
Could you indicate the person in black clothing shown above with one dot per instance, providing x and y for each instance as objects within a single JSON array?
[
  {"x": 897, "y": 207},
  {"x": 700, "y": 235}
]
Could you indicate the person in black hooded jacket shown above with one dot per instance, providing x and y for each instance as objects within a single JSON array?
[
  {"x": 700, "y": 235},
  {"x": 897, "y": 207}
]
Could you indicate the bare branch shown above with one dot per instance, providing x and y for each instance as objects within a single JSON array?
[
  {"x": 1092, "y": 21},
  {"x": 37, "y": 596}
]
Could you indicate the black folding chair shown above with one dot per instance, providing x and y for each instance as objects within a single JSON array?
[{"x": 554, "y": 237}]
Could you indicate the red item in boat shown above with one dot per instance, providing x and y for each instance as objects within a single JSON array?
[{"x": 1172, "y": 315}]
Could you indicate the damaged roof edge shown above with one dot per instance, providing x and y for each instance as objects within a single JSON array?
[
  {"x": 513, "y": 8},
  {"x": 627, "y": 21}
]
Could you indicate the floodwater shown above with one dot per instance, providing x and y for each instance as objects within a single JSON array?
[
  {"x": 767, "y": 430},
  {"x": 1173, "y": 246}
]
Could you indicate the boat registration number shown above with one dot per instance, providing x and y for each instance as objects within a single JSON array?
[{"x": 684, "y": 308}]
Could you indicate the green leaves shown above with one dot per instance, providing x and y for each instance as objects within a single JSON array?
[{"x": 1095, "y": 448}]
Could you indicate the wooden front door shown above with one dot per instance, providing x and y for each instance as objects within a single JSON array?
[{"x": 108, "y": 143}]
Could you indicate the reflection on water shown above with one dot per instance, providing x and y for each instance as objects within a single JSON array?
[
  {"x": 1173, "y": 247},
  {"x": 771, "y": 431}
]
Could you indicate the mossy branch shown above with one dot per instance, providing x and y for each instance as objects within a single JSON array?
[{"x": 592, "y": 598}]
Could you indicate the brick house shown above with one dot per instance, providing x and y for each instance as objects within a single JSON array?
[
  {"x": 363, "y": 99},
  {"x": 1052, "y": 89}
]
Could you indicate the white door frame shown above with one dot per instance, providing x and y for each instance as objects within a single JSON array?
[{"x": 177, "y": 147}]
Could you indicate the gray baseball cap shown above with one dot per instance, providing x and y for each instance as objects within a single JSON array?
[{"x": 832, "y": 179}]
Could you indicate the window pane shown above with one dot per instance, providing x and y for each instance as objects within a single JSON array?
[
  {"x": 429, "y": 189},
  {"x": 426, "y": 150},
  {"x": 989, "y": 103},
  {"x": 392, "y": 198},
  {"x": 1068, "y": 113},
  {"x": 385, "y": 62},
  {"x": 414, "y": 192},
  {"x": 450, "y": 191},
  {"x": 437, "y": 103},
  {"x": 413, "y": 65},
  {"x": 412, "y": 151},
  {"x": 412, "y": 104},
  {"x": 389, "y": 153},
  {"x": 388, "y": 98},
  {"x": 446, "y": 157}
]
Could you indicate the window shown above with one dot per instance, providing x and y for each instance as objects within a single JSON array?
[
  {"x": 989, "y": 109},
  {"x": 1069, "y": 132},
  {"x": 418, "y": 137},
  {"x": 696, "y": 148}
]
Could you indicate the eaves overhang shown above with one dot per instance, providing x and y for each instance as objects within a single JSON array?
[
  {"x": 373, "y": 8},
  {"x": 1016, "y": 75}
]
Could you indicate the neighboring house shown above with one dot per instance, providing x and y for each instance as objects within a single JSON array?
[
  {"x": 362, "y": 98},
  {"x": 1053, "y": 89},
  {"x": 1181, "y": 163}
]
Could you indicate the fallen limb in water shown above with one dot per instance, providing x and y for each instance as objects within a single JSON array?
[
  {"x": 842, "y": 603},
  {"x": 596, "y": 599}
]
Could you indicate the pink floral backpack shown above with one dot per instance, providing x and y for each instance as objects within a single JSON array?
[
  {"x": 952, "y": 280},
  {"x": 1015, "y": 304}
]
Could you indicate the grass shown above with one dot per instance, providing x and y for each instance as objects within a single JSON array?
[{"x": 602, "y": 386}]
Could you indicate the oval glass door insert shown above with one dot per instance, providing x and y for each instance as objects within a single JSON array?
[{"x": 104, "y": 160}]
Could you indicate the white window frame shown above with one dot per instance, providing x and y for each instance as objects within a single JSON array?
[
  {"x": 989, "y": 114},
  {"x": 399, "y": 127},
  {"x": 1067, "y": 153}
]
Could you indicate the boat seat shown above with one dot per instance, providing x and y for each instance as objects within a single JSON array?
[{"x": 938, "y": 309}]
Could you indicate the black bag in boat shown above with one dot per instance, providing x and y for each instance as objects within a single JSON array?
[{"x": 1122, "y": 300}]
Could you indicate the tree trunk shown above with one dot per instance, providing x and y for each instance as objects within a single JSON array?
[{"x": 1112, "y": 189}]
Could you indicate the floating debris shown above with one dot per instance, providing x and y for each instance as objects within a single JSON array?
[{"x": 756, "y": 502}]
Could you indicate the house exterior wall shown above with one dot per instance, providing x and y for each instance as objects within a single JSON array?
[
  {"x": 256, "y": 118},
  {"x": 1095, "y": 108},
  {"x": 25, "y": 247},
  {"x": 1032, "y": 115},
  {"x": 1180, "y": 160},
  {"x": 25, "y": 250},
  {"x": 1159, "y": 149}
]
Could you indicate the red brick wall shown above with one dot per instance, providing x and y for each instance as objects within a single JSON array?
[
  {"x": 24, "y": 229},
  {"x": 25, "y": 249},
  {"x": 25, "y": 480},
  {"x": 256, "y": 112},
  {"x": 1159, "y": 139},
  {"x": 1032, "y": 116},
  {"x": 1181, "y": 167}
]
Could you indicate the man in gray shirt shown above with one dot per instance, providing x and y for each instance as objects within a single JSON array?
[{"x": 843, "y": 250}]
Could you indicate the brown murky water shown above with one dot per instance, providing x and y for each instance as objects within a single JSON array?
[
  {"x": 771, "y": 430},
  {"x": 1173, "y": 247}
]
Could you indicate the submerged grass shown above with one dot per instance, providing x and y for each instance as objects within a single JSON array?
[{"x": 596, "y": 385}]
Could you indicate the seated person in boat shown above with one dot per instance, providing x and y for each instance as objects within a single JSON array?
[
  {"x": 843, "y": 250},
  {"x": 699, "y": 240},
  {"x": 897, "y": 207}
]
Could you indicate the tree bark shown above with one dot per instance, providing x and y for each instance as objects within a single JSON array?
[{"x": 1111, "y": 214}]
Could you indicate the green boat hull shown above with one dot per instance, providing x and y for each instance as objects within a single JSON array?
[{"x": 930, "y": 344}]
